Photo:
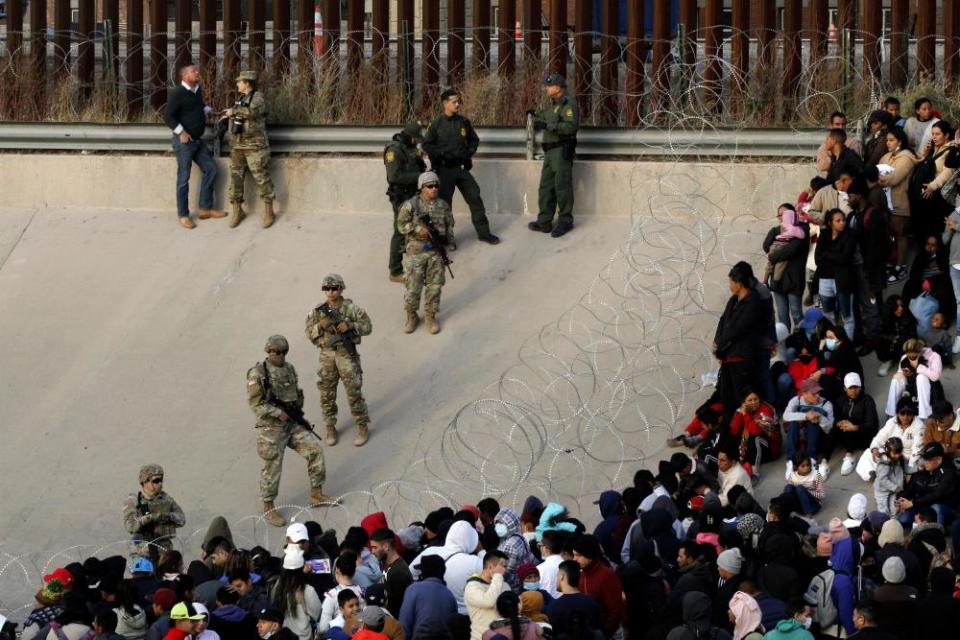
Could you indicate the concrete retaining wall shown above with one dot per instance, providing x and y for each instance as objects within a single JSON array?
[{"x": 348, "y": 185}]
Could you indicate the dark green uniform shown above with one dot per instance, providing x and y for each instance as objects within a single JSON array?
[
  {"x": 562, "y": 120},
  {"x": 403, "y": 166},
  {"x": 451, "y": 143}
]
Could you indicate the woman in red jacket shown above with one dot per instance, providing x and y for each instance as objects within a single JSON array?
[{"x": 757, "y": 430}]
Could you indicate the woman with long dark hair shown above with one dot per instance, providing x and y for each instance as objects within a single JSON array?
[
  {"x": 131, "y": 618},
  {"x": 511, "y": 624},
  {"x": 295, "y": 597},
  {"x": 938, "y": 164},
  {"x": 836, "y": 271},
  {"x": 901, "y": 158}
]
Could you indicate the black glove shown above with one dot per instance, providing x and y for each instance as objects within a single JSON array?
[
  {"x": 539, "y": 125},
  {"x": 467, "y": 164}
]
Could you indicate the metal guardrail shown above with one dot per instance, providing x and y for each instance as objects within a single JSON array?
[{"x": 494, "y": 141}]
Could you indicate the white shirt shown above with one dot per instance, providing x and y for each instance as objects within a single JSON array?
[
  {"x": 548, "y": 574},
  {"x": 206, "y": 109}
]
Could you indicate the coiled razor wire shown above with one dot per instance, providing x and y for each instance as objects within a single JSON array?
[{"x": 592, "y": 396}]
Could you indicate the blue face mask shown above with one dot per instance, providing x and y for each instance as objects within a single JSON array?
[
  {"x": 531, "y": 586},
  {"x": 831, "y": 344}
]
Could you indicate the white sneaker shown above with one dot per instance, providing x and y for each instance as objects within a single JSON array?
[
  {"x": 824, "y": 469},
  {"x": 884, "y": 368},
  {"x": 789, "y": 472},
  {"x": 849, "y": 463},
  {"x": 956, "y": 345}
]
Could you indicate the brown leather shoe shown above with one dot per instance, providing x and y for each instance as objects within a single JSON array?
[
  {"x": 211, "y": 213},
  {"x": 186, "y": 222}
]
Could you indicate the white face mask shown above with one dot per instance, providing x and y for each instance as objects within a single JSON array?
[
  {"x": 501, "y": 530},
  {"x": 807, "y": 623}
]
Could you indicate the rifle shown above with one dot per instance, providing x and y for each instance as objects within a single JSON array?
[
  {"x": 437, "y": 241},
  {"x": 328, "y": 323},
  {"x": 292, "y": 410}
]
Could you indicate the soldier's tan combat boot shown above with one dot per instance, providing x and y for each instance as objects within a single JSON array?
[
  {"x": 206, "y": 214},
  {"x": 431, "y": 321},
  {"x": 268, "y": 217},
  {"x": 363, "y": 434},
  {"x": 319, "y": 498},
  {"x": 412, "y": 321},
  {"x": 238, "y": 214},
  {"x": 330, "y": 438},
  {"x": 271, "y": 516}
]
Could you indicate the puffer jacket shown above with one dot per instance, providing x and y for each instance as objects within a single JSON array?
[{"x": 903, "y": 162}]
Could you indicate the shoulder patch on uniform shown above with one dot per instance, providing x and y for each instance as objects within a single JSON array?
[
  {"x": 390, "y": 155},
  {"x": 463, "y": 132},
  {"x": 569, "y": 112}
]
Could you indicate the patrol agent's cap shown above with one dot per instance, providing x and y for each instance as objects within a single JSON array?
[
  {"x": 554, "y": 79},
  {"x": 271, "y": 614},
  {"x": 185, "y": 611},
  {"x": 248, "y": 76},
  {"x": 148, "y": 471},
  {"x": 426, "y": 178},
  {"x": 333, "y": 280},
  {"x": 413, "y": 130}
]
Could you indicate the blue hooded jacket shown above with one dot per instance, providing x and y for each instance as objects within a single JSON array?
[
  {"x": 611, "y": 511},
  {"x": 844, "y": 560}
]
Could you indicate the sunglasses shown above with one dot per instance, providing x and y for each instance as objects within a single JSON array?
[
  {"x": 279, "y": 353},
  {"x": 156, "y": 480},
  {"x": 432, "y": 185},
  {"x": 330, "y": 288}
]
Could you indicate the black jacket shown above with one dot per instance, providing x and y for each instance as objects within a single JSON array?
[
  {"x": 741, "y": 326},
  {"x": 795, "y": 255},
  {"x": 848, "y": 160},
  {"x": 450, "y": 142},
  {"x": 835, "y": 259},
  {"x": 646, "y": 597},
  {"x": 926, "y": 488},
  {"x": 861, "y": 412},
  {"x": 843, "y": 360},
  {"x": 699, "y": 578},
  {"x": 871, "y": 229}
]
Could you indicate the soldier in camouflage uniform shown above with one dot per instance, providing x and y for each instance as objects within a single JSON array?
[
  {"x": 423, "y": 267},
  {"x": 559, "y": 122},
  {"x": 249, "y": 148},
  {"x": 151, "y": 516},
  {"x": 269, "y": 381},
  {"x": 404, "y": 165},
  {"x": 336, "y": 327}
]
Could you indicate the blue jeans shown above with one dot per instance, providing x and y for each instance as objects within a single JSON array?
[
  {"x": 808, "y": 504},
  {"x": 789, "y": 309},
  {"x": 955, "y": 281},
  {"x": 830, "y": 298},
  {"x": 813, "y": 432},
  {"x": 194, "y": 151}
]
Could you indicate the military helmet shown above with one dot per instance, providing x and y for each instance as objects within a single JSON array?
[
  {"x": 276, "y": 343},
  {"x": 247, "y": 76},
  {"x": 333, "y": 280}
]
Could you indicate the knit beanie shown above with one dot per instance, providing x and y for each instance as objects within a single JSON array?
[
  {"x": 837, "y": 531},
  {"x": 894, "y": 571},
  {"x": 588, "y": 547},
  {"x": 730, "y": 560},
  {"x": 749, "y": 524},
  {"x": 891, "y": 532}
]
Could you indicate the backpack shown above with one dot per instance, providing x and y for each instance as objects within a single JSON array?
[
  {"x": 818, "y": 595},
  {"x": 938, "y": 558}
]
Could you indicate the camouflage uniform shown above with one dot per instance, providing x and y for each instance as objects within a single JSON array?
[
  {"x": 250, "y": 149},
  {"x": 273, "y": 434},
  {"x": 337, "y": 362},
  {"x": 422, "y": 265},
  {"x": 151, "y": 521}
]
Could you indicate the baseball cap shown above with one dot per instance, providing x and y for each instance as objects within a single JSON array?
[
  {"x": 372, "y": 616},
  {"x": 165, "y": 598},
  {"x": 810, "y": 386},
  {"x": 297, "y": 532},
  {"x": 811, "y": 318},
  {"x": 932, "y": 450},
  {"x": 554, "y": 79},
  {"x": 852, "y": 379},
  {"x": 185, "y": 611},
  {"x": 376, "y": 595},
  {"x": 270, "y": 614},
  {"x": 141, "y": 565}
]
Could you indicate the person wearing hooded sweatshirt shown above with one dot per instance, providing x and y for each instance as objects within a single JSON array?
[
  {"x": 229, "y": 620},
  {"x": 428, "y": 603},
  {"x": 512, "y": 543},
  {"x": 458, "y": 555},
  {"x": 696, "y": 620},
  {"x": 368, "y": 567},
  {"x": 891, "y": 541},
  {"x": 600, "y": 582},
  {"x": 795, "y": 626},
  {"x": 745, "y": 616},
  {"x": 844, "y": 559},
  {"x": 131, "y": 618},
  {"x": 611, "y": 512},
  {"x": 656, "y": 529}
]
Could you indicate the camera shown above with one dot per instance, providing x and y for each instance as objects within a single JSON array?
[{"x": 237, "y": 125}]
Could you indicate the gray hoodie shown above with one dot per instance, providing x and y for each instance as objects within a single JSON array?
[
  {"x": 131, "y": 627},
  {"x": 696, "y": 620}
]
